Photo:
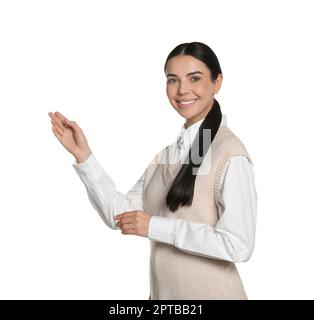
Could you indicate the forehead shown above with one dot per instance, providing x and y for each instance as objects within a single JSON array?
[{"x": 181, "y": 65}]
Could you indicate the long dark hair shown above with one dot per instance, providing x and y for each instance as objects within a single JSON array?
[{"x": 181, "y": 191}]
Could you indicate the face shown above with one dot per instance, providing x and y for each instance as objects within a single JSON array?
[{"x": 190, "y": 89}]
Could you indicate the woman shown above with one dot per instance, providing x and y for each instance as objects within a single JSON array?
[{"x": 196, "y": 200}]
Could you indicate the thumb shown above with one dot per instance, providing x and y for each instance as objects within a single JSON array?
[{"x": 70, "y": 123}]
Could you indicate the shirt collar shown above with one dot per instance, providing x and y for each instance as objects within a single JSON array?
[{"x": 187, "y": 135}]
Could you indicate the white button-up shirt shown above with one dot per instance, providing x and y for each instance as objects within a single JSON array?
[{"x": 232, "y": 238}]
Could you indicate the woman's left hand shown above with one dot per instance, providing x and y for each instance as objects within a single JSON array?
[{"x": 133, "y": 222}]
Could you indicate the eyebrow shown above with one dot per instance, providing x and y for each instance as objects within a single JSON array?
[{"x": 188, "y": 74}]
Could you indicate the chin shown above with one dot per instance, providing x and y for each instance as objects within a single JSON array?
[{"x": 188, "y": 113}]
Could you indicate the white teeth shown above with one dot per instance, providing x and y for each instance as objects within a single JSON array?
[{"x": 186, "y": 102}]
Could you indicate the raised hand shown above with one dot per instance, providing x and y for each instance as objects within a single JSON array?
[{"x": 70, "y": 135}]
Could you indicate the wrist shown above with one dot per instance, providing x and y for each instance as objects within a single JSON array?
[{"x": 83, "y": 156}]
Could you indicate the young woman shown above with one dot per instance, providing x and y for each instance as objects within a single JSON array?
[{"x": 196, "y": 200}]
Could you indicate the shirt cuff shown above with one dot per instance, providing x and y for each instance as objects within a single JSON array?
[
  {"x": 90, "y": 170},
  {"x": 86, "y": 165},
  {"x": 161, "y": 229}
]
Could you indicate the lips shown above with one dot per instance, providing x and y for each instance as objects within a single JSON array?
[{"x": 186, "y": 103}]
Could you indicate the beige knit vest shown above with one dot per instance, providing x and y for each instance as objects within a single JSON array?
[{"x": 175, "y": 274}]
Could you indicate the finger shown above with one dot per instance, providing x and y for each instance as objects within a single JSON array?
[
  {"x": 56, "y": 124},
  {"x": 128, "y": 230},
  {"x": 56, "y": 133},
  {"x": 126, "y": 220},
  {"x": 127, "y": 226},
  {"x": 53, "y": 117},
  {"x": 125, "y": 214},
  {"x": 65, "y": 121},
  {"x": 59, "y": 121},
  {"x": 59, "y": 115},
  {"x": 71, "y": 124},
  {"x": 60, "y": 131}
]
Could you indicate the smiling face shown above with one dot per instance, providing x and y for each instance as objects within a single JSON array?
[{"x": 190, "y": 88}]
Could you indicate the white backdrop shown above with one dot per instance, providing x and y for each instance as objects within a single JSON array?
[{"x": 100, "y": 63}]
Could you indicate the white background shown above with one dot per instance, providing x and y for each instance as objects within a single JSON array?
[{"x": 100, "y": 63}]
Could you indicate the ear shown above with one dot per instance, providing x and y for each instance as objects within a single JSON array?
[{"x": 218, "y": 83}]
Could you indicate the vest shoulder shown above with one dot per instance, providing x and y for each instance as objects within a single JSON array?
[{"x": 229, "y": 143}]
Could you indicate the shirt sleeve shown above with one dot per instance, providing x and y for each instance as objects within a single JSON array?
[
  {"x": 233, "y": 236},
  {"x": 102, "y": 192}
]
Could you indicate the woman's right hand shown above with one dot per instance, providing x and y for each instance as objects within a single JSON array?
[{"x": 70, "y": 136}]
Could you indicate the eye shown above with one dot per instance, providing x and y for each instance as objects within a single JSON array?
[
  {"x": 169, "y": 81},
  {"x": 195, "y": 77}
]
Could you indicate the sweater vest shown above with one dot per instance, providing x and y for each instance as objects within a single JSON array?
[{"x": 173, "y": 273}]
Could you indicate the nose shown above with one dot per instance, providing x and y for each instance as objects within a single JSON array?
[{"x": 183, "y": 88}]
